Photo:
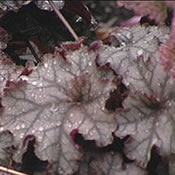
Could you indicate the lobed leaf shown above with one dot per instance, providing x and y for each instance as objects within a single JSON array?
[
  {"x": 61, "y": 95},
  {"x": 149, "y": 108}
]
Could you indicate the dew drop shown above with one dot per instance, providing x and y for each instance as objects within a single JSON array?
[
  {"x": 54, "y": 62},
  {"x": 40, "y": 89},
  {"x": 140, "y": 52},
  {"x": 58, "y": 123},
  {"x": 60, "y": 171},
  {"x": 169, "y": 103},
  {"x": 39, "y": 138},
  {"x": 123, "y": 44},
  {"x": 90, "y": 63},
  {"x": 40, "y": 129},
  {"x": 126, "y": 83},
  {"x": 23, "y": 125},
  {"x": 46, "y": 65},
  {"x": 69, "y": 126},
  {"x": 1, "y": 129},
  {"x": 24, "y": 78},
  {"x": 54, "y": 107},
  {"x": 21, "y": 135},
  {"x": 34, "y": 83},
  {"x": 17, "y": 127},
  {"x": 128, "y": 35},
  {"x": 71, "y": 114}
]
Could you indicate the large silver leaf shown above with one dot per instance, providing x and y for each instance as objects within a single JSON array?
[
  {"x": 149, "y": 109},
  {"x": 56, "y": 98}
]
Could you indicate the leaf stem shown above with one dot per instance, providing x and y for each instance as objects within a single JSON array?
[
  {"x": 63, "y": 20},
  {"x": 10, "y": 171}
]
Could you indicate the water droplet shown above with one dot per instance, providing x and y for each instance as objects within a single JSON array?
[
  {"x": 24, "y": 78},
  {"x": 40, "y": 138},
  {"x": 46, "y": 65},
  {"x": 159, "y": 84},
  {"x": 34, "y": 82},
  {"x": 90, "y": 63},
  {"x": 23, "y": 125},
  {"x": 60, "y": 170},
  {"x": 58, "y": 123},
  {"x": 21, "y": 135},
  {"x": 40, "y": 129},
  {"x": 123, "y": 44},
  {"x": 40, "y": 84},
  {"x": 17, "y": 127},
  {"x": 140, "y": 52},
  {"x": 169, "y": 103},
  {"x": 128, "y": 35},
  {"x": 126, "y": 83},
  {"x": 69, "y": 125},
  {"x": 54, "y": 107}
]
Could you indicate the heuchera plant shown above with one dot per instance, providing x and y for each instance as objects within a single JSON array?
[{"x": 91, "y": 110}]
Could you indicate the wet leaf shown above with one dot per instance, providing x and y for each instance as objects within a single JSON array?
[
  {"x": 61, "y": 95},
  {"x": 149, "y": 108}
]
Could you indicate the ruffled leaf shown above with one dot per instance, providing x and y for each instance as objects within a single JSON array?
[
  {"x": 132, "y": 60},
  {"x": 149, "y": 108},
  {"x": 59, "y": 96}
]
